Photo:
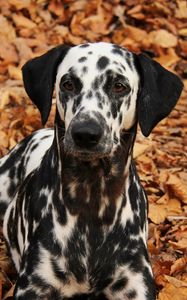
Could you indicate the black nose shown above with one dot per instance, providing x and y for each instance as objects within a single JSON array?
[{"x": 86, "y": 134}]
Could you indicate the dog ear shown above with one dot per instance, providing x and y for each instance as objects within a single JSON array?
[
  {"x": 39, "y": 75},
  {"x": 159, "y": 92}
]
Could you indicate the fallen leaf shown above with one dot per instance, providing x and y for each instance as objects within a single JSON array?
[
  {"x": 14, "y": 72},
  {"x": 135, "y": 33},
  {"x": 168, "y": 59},
  {"x": 181, "y": 12},
  {"x": 176, "y": 282},
  {"x": 7, "y": 31},
  {"x": 181, "y": 245},
  {"x": 176, "y": 187},
  {"x": 178, "y": 265},
  {"x": 163, "y": 38},
  {"x": 157, "y": 213},
  {"x": 139, "y": 149},
  {"x": 4, "y": 139},
  {"x": 21, "y": 21},
  {"x": 171, "y": 292},
  {"x": 183, "y": 32}
]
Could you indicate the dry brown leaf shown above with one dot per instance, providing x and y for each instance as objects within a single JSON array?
[
  {"x": 175, "y": 186},
  {"x": 40, "y": 25},
  {"x": 57, "y": 8},
  {"x": 3, "y": 139},
  {"x": 7, "y": 31},
  {"x": 178, "y": 265},
  {"x": 163, "y": 200},
  {"x": 21, "y": 21},
  {"x": 174, "y": 207},
  {"x": 139, "y": 149},
  {"x": 181, "y": 245},
  {"x": 135, "y": 33},
  {"x": 8, "y": 52},
  {"x": 181, "y": 12},
  {"x": 163, "y": 38},
  {"x": 176, "y": 282},
  {"x": 148, "y": 164},
  {"x": 20, "y": 4},
  {"x": 168, "y": 59},
  {"x": 183, "y": 46},
  {"x": 157, "y": 213},
  {"x": 183, "y": 32},
  {"x": 14, "y": 72},
  {"x": 24, "y": 51},
  {"x": 171, "y": 292},
  {"x": 98, "y": 23}
]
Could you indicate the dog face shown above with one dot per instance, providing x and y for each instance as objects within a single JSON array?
[
  {"x": 101, "y": 90},
  {"x": 96, "y": 88}
]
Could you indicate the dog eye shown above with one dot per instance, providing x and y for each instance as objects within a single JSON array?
[
  {"x": 68, "y": 86},
  {"x": 118, "y": 87}
]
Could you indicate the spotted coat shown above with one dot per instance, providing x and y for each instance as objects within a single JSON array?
[{"x": 74, "y": 210}]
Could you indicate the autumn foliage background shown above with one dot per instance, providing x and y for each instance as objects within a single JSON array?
[{"x": 157, "y": 28}]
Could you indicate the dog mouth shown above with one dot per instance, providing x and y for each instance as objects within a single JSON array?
[{"x": 88, "y": 156}]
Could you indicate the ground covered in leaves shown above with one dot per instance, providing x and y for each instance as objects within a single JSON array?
[{"x": 158, "y": 28}]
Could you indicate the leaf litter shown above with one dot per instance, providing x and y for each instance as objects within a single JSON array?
[{"x": 159, "y": 29}]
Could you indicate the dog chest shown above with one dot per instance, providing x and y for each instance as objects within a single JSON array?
[{"x": 86, "y": 255}]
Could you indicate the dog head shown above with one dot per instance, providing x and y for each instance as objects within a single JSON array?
[{"x": 101, "y": 91}]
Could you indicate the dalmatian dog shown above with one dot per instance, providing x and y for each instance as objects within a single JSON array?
[{"x": 74, "y": 210}]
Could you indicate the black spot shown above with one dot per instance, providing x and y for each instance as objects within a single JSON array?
[
  {"x": 23, "y": 282},
  {"x": 123, "y": 67},
  {"x": 131, "y": 294},
  {"x": 71, "y": 70},
  {"x": 90, "y": 52},
  {"x": 114, "y": 110},
  {"x": 76, "y": 103},
  {"x": 128, "y": 102},
  {"x": 96, "y": 83},
  {"x": 98, "y": 96},
  {"x": 45, "y": 235},
  {"x": 42, "y": 201},
  {"x": 117, "y": 50},
  {"x": 108, "y": 114},
  {"x": 11, "y": 189},
  {"x": 120, "y": 118},
  {"x": 85, "y": 69},
  {"x": 128, "y": 60},
  {"x": 44, "y": 137},
  {"x": 3, "y": 207},
  {"x": 102, "y": 62},
  {"x": 89, "y": 94},
  {"x": 12, "y": 172},
  {"x": 60, "y": 210},
  {"x": 57, "y": 271},
  {"x": 34, "y": 147},
  {"x": 84, "y": 45},
  {"x": 115, "y": 138},
  {"x": 119, "y": 284},
  {"x": 100, "y": 105},
  {"x": 82, "y": 59},
  {"x": 119, "y": 70},
  {"x": 101, "y": 78}
]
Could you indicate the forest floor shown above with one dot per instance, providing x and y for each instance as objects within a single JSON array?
[{"x": 157, "y": 28}]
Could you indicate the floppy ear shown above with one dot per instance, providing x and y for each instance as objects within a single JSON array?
[
  {"x": 159, "y": 92},
  {"x": 39, "y": 75}
]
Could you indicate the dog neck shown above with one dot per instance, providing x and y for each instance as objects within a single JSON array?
[{"x": 94, "y": 186}]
